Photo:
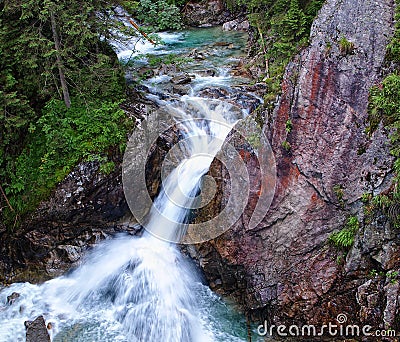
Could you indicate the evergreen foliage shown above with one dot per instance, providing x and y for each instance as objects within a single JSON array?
[
  {"x": 160, "y": 14},
  {"x": 42, "y": 43},
  {"x": 283, "y": 27}
]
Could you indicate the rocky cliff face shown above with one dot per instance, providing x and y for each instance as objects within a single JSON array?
[
  {"x": 84, "y": 209},
  {"x": 206, "y": 13},
  {"x": 284, "y": 269}
]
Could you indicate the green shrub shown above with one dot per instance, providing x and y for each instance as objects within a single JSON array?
[
  {"x": 160, "y": 14},
  {"x": 58, "y": 141}
]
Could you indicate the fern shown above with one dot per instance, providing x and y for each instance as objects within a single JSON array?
[{"x": 345, "y": 237}]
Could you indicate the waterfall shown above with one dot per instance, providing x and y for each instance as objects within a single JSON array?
[
  {"x": 204, "y": 127},
  {"x": 137, "y": 288},
  {"x": 132, "y": 288}
]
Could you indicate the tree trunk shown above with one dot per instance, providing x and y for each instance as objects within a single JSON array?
[{"x": 64, "y": 85}]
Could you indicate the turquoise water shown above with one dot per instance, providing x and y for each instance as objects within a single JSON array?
[{"x": 216, "y": 47}]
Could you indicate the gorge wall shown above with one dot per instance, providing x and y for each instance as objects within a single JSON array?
[
  {"x": 285, "y": 270},
  {"x": 84, "y": 209}
]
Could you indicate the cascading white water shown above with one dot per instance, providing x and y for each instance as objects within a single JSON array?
[
  {"x": 142, "y": 288},
  {"x": 130, "y": 288}
]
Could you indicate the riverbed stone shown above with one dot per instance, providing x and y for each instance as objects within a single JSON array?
[
  {"x": 36, "y": 331},
  {"x": 12, "y": 298},
  {"x": 236, "y": 25},
  {"x": 180, "y": 79}
]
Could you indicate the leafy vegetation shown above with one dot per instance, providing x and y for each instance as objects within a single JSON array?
[
  {"x": 345, "y": 237},
  {"x": 62, "y": 86},
  {"x": 159, "y": 14},
  {"x": 391, "y": 276},
  {"x": 286, "y": 145},
  {"x": 345, "y": 46},
  {"x": 283, "y": 27},
  {"x": 288, "y": 126},
  {"x": 61, "y": 138}
]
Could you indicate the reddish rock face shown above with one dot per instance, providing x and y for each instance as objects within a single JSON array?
[{"x": 284, "y": 269}]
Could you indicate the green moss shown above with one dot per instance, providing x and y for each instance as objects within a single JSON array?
[
  {"x": 288, "y": 126},
  {"x": 346, "y": 47},
  {"x": 107, "y": 167}
]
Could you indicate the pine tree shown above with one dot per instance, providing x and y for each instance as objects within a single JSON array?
[
  {"x": 294, "y": 24},
  {"x": 49, "y": 50}
]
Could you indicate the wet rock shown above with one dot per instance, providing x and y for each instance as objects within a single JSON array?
[
  {"x": 221, "y": 44},
  {"x": 215, "y": 93},
  {"x": 167, "y": 69},
  {"x": 236, "y": 25},
  {"x": 242, "y": 70},
  {"x": 208, "y": 72},
  {"x": 84, "y": 209},
  {"x": 198, "y": 55},
  {"x": 36, "y": 331},
  {"x": 180, "y": 89},
  {"x": 181, "y": 79},
  {"x": 239, "y": 96},
  {"x": 12, "y": 298},
  {"x": 145, "y": 72}
]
